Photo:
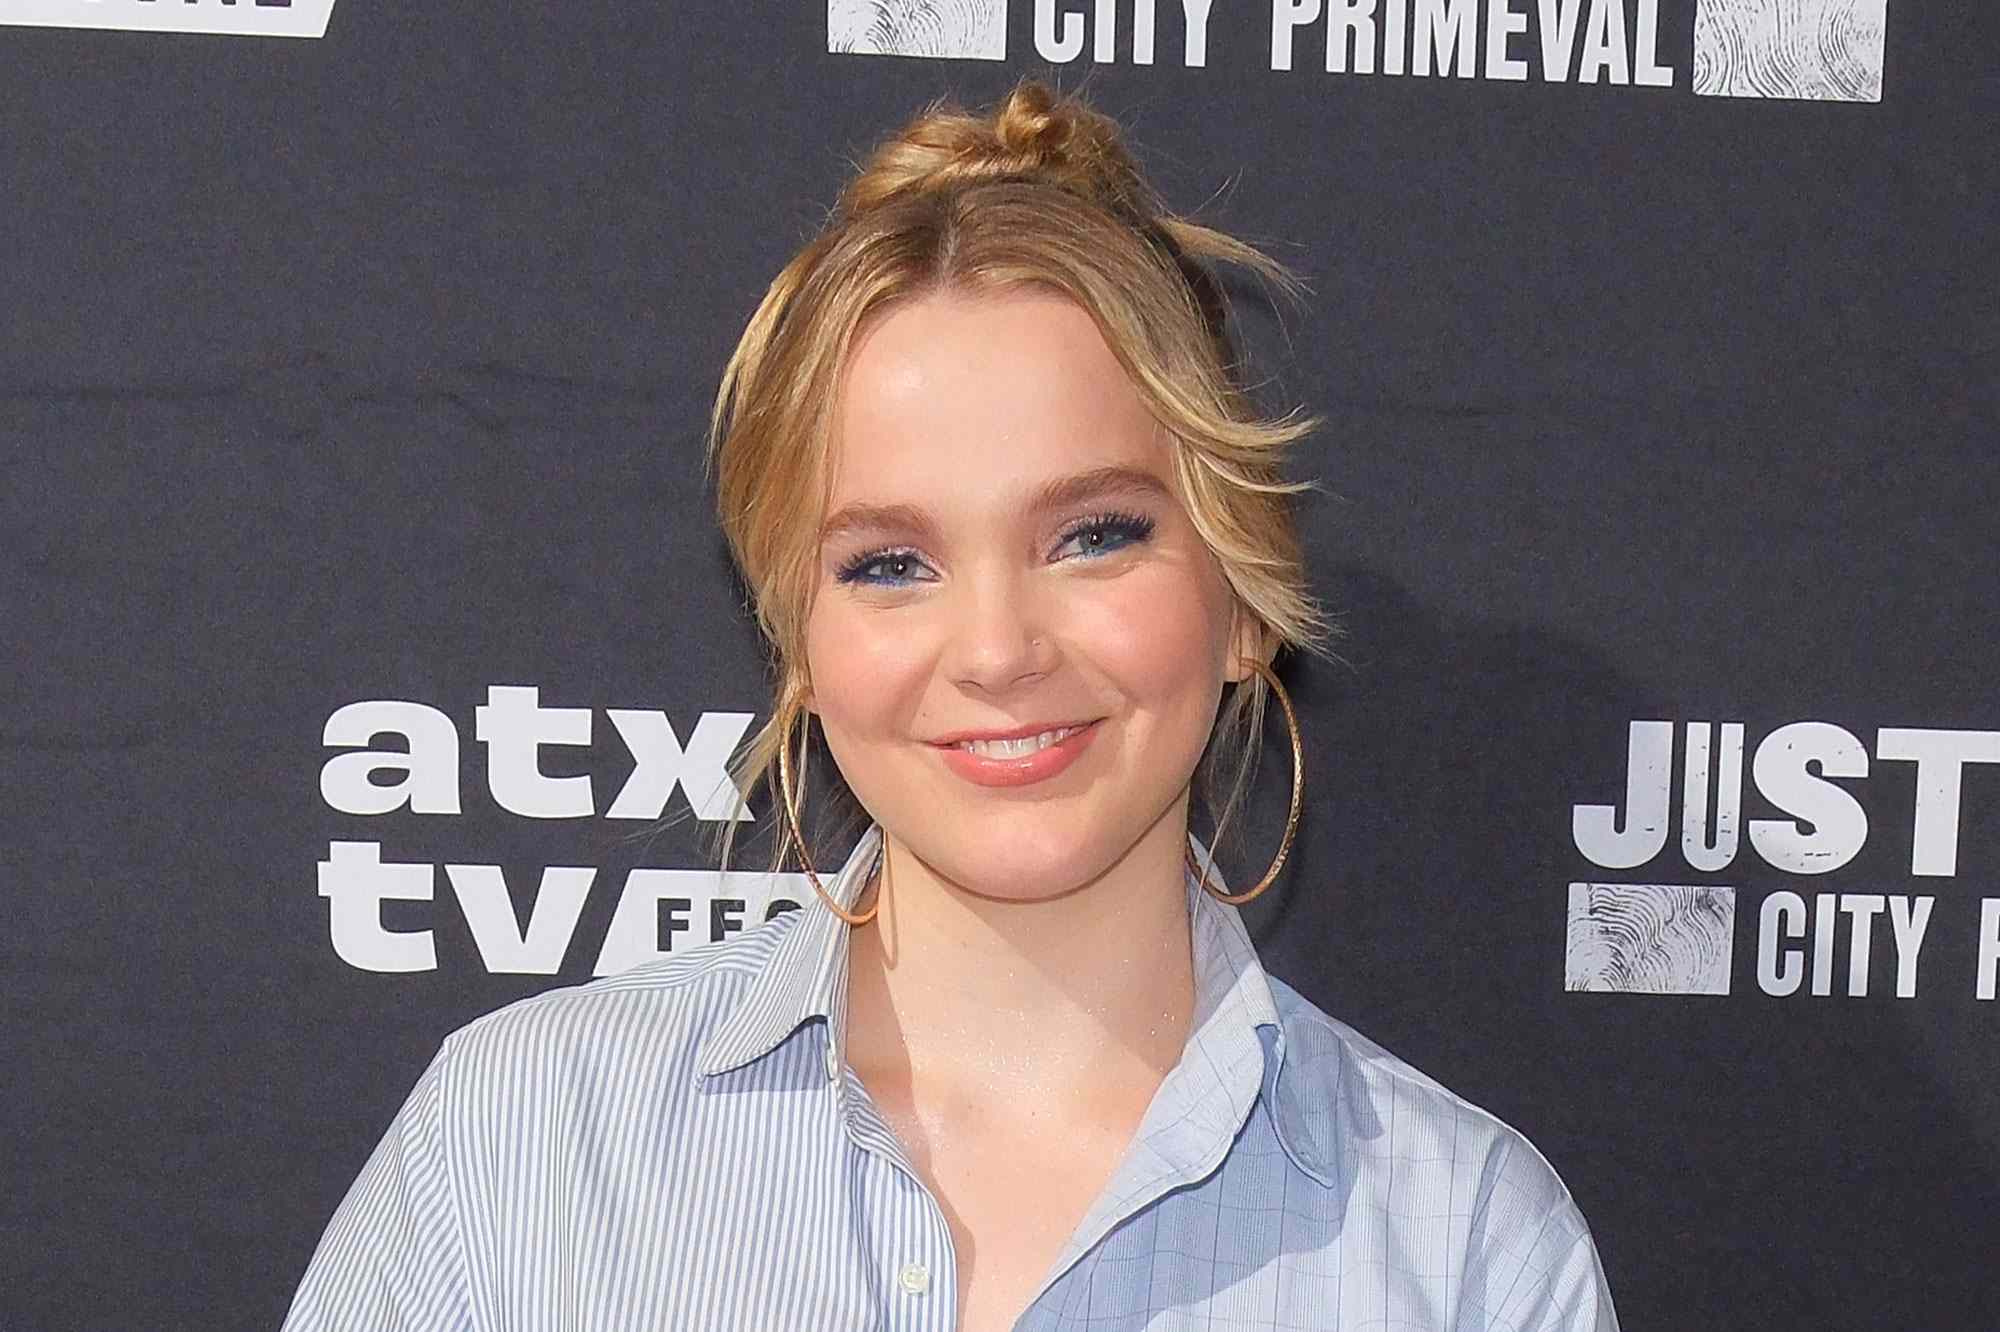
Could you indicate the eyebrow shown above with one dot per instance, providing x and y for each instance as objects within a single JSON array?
[{"x": 1061, "y": 493}]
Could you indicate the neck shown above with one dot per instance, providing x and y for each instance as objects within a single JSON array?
[{"x": 1053, "y": 996}]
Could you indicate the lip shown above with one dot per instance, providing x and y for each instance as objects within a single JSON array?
[{"x": 1024, "y": 770}]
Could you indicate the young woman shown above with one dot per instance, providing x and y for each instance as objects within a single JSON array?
[{"x": 1023, "y": 554}]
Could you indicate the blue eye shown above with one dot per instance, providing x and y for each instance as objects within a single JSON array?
[
  {"x": 1108, "y": 532},
  {"x": 887, "y": 568}
]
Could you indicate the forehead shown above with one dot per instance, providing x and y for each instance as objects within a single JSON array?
[{"x": 970, "y": 395}]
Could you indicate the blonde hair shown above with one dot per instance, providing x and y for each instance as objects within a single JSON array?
[{"x": 1040, "y": 191}]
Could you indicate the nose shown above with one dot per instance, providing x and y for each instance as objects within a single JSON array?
[{"x": 999, "y": 637}]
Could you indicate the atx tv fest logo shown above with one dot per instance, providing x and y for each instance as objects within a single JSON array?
[
  {"x": 229, "y": 18},
  {"x": 657, "y": 910},
  {"x": 1822, "y": 50},
  {"x": 1679, "y": 938}
]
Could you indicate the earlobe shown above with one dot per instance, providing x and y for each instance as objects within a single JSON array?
[{"x": 1246, "y": 639}]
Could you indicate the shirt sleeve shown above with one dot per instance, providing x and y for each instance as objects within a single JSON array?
[
  {"x": 393, "y": 1256},
  {"x": 1533, "y": 1267},
  {"x": 1569, "y": 1294}
]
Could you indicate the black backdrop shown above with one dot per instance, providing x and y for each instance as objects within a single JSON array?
[{"x": 371, "y": 369}]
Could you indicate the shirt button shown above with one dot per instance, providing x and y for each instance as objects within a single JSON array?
[
  {"x": 832, "y": 1065},
  {"x": 914, "y": 1278}
]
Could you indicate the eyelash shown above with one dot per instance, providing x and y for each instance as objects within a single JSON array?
[{"x": 1131, "y": 527}]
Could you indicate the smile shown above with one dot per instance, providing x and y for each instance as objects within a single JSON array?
[
  {"x": 1016, "y": 748},
  {"x": 1018, "y": 761}
]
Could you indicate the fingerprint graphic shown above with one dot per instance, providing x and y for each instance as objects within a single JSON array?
[
  {"x": 958, "y": 29},
  {"x": 1649, "y": 938},
  {"x": 1816, "y": 50}
]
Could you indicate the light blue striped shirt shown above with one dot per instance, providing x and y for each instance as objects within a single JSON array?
[{"x": 682, "y": 1147}]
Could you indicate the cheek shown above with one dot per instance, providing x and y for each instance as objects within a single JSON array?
[
  {"x": 1161, "y": 633},
  {"x": 865, "y": 673}
]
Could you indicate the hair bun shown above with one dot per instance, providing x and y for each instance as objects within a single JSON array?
[
  {"x": 1034, "y": 134},
  {"x": 1033, "y": 125}
]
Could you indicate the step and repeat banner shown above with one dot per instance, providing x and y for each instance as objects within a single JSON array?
[{"x": 374, "y": 658}]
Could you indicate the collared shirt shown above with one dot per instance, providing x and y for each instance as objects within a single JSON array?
[{"x": 683, "y": 1147}]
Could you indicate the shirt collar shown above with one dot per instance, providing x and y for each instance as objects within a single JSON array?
[{"x": 1235, "y": 1050}]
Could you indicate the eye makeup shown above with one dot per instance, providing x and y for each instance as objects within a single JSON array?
[{"x": 1100, "y": 535}]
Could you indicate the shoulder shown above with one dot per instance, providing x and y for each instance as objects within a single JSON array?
[
  {"x": 1367, "y": 1110},
  {"x": 646, "y": 1022},
  {"x": 1436, "y": 1174}
]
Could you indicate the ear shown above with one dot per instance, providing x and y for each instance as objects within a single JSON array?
[
  {"x": 801, "y": 686},
  {"x": 1247, "y": 638}
]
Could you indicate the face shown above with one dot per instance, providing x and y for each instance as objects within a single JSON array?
[{"x": 1004, "y": 558}]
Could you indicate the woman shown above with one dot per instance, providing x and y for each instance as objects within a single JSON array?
[{"x": 1013, "y": 532}]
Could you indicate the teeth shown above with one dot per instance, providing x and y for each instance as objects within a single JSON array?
[{"x": 1016, "y": 748}]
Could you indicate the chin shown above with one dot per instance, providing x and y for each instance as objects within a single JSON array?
[{"x": 1021, "y": 854}]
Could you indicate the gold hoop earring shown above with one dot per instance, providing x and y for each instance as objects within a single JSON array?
[
  {"x": 1298, "y": 793},
  {"x": 798, "y": 840}
]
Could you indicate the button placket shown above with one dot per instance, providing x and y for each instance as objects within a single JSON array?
[{"x": 917, "y": 1274}]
